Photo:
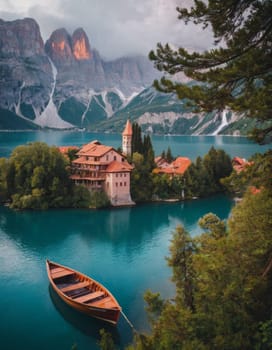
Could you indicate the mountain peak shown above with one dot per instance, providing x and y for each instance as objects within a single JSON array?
[
  {"x": 61, "y": 46},
  {"x": 20, "y": 38},
  {"x": 81, "y": 45}
]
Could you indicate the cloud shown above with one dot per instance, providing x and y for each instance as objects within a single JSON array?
[{"x": 115, "y": 28}]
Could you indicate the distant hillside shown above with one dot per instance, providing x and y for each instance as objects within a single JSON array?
[
  {"x": 165, "y": 114},
  {"x": 64, "y": 84}
]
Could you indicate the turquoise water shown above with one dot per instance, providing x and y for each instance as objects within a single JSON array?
[
  {"x": 188, "y": 146},
  {"x": 124, "y": 249}
]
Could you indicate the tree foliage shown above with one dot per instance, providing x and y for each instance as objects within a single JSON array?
[
  {"x": 223, "y": 284},
  {"x": 143, "y": 161},
  {"x": 3, "y": 182},
  {"x": 137, "y": 142},
  {"x": 106, "y": 342},
  {"x": 37, "y": 177},
  {"x": 257, "y": 175},
  {"x": 141, "y": 179},
  {"x": 203, "y": 177},
  {"x": 236, "y": 73}
]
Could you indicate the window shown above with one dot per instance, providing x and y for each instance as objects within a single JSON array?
[
  {"x": 121, "y": 184},
  {"x": 116, "y": 184}
]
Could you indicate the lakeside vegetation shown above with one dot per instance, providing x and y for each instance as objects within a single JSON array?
[
  {"x": 37, "y": 176},
  {"x": 223, "y": 277}
]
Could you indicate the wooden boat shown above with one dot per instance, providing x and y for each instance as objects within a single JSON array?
[{"x": 83, "y": 293}]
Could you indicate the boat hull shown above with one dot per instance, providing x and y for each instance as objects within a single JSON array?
[{"x": 103, "y": 307}]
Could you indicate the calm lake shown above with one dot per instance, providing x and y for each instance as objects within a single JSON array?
[{"x": 123, "y": 248}]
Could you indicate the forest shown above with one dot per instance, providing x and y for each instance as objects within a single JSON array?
[{"x": 223, "y": 277}]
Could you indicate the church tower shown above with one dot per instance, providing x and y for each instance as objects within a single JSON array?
[{"x": 127, "y": 139}]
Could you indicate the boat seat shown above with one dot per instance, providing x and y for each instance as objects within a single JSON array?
[
  {"x": 63, "y": 273},
  {"x": 89, "y": 297},
  {"x": 56, "y": 269},
  {"x": 75, "y": 286},
  {"x": 104, "y": 302}
]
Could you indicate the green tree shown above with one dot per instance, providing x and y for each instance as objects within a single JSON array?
[
  {"x": 204, "y": 176},
  {"x": 3, "y": 179},
  {"x": 161, "y": 185},
  {"x": 137, "y": 142},
  {"x": 223, "y": 283},
  {"x": 98, "y": 199},
  {"x": 106, "y": 342},
  {"x": 218, "y": 165},
  {"x": 148, "y": 153},
  {"x": 37, "y": 178},
  {"x": 141, "y": 179},
  {"x": 256, "y": 174},
  {"x": 236, "y": 73},
  {"x": 213, "y": 225},
  {"x": 169, "y": 156},
  {"x": 182, "y": 249},
  {"x": 72, "y": 154}
]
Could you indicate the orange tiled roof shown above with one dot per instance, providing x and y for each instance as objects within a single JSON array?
[
  {"x": 181, "y": 164},
  {"x": 177, "y": 167},
  {"x": 94, "y": 149},
  {"x": 128, "y": 129},
  {"x": 115, "y": 167}
]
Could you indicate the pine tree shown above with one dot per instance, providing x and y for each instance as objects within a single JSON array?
[
  {"x": 236, "y": 73},
  {"x": 169, "y": 156},
  {"x": 137, "y": 143}
]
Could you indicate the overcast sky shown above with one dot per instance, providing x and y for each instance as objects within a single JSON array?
[{"x": 114, "y": 27}]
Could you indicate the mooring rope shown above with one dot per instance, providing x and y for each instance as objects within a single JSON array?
[{"x": 128, "y": 321}]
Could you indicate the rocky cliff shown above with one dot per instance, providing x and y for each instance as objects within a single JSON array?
[
  {"x": 65, "y": 83},
  {"x": 25, "y": 71}
]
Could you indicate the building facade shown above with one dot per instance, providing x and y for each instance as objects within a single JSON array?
[{"x": 102, "y": 168}]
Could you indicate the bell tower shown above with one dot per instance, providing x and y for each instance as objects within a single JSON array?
[{"x": 127, "y": 139}]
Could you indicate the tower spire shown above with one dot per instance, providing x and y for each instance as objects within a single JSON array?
[{"x": 127, "y": 139}]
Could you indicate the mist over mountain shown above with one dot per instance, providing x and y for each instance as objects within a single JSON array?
[{"x": 64, "y": 83}]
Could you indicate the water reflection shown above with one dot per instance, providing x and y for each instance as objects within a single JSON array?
[
  {"x": 122, "y": 227},
  {"x": 124, "y": 249},
  {"x": 85, "y": 324}
]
